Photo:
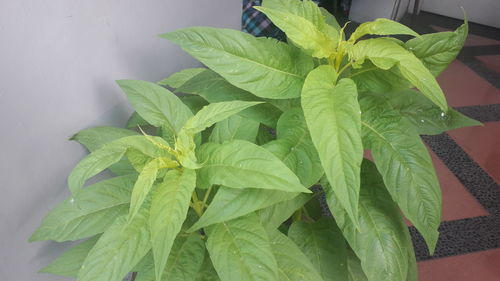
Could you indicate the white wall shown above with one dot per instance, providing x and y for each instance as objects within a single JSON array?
[
  {"x": 58, "y": 63},
  {"x": 368, "y": 10},
  {"x": 485, "y": 12}
]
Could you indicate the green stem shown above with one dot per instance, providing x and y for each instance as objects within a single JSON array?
[
  {"x": 297, "y": 216},
  {"x": 344, "y": 68},
  {"x": 362, "y": 71},
  {"x": 197, "y": 205},
  {"x": 306, "y": 214},
  {"x": 205, "y": 198}
]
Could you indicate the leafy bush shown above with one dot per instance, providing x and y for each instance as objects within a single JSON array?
[{"x": 223, "y": 191}]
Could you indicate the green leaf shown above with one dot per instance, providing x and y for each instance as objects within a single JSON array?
[
  {"x": 386, "y": 54},
  {"x": 69, "y": 263},
  {"x": 295, "y": 148},
  {"x": 145, "y": 182},
  {"x": 186, "y": 258},
  {"x": 412, "y": 274},
  {"x": 145, "y": 268},
  {"x": 310, "y": 12},
  {"x": 263, "y": 66},
  {"x": 370, "y": 78},
  {"x": 293, "y": 265},
  {"x": 214, "y": 113},
  {"x": 240, "y": 250},
  {"x": 380, "y": 240},
  {"x": 330, "y": 19},
  {"x": 381, "y": 27},
  {"x": 273, "y": 216},
  {"x": 205, "y": 118},
  {"x": 234, "y": 128},
  {"x": 284, "y": 104},
  {"x": 195, "y": 103},
  {"x": 207, "y": 271},
  {"x": 184, "y": 263},
  {"x": 135, "y": 120},
  {"x": 241, "y": 164},
  {"x": 95, "y": 138},
  {"x": 118, "y": 250},
  {"x": 169, "y": 206},
  {"x": 155, "y": 104},
  {"x": 354, "y": 268},
  {"x": 230, "y": 203},
  {"x": 177, "y": 79},
  {"x": 303, "y": 33},
  {"x": 111, "y": 153},
  {"x": 137, "y": 159},
  {"x": 90, "y": 212},
  {"x": 426, "y": 117},
  {"x": 306, "y": 9},
  {"x": 213, "y": 88},
  {"x": 438, "y": 50},
  {"x": 406, "y": 167},
  {"x": 333, "y": 116},
  {"x": 323, "y": 244}
]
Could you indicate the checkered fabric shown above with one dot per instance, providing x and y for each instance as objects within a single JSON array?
[{"x": 256, "y": 23}]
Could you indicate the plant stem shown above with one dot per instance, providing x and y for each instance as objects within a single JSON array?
[
  {"x": 197, "y": 204},
  {"x": 306, "y": 214},
  {"x": 362, "y": 71},
  {"x": 205, "y": 198},
  {"x": 297, "y": 215},
  {"x": 344, "y": 68}
]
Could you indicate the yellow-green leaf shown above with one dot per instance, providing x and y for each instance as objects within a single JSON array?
[
  {"x": 240, "y": 250},
  {"x": 381, "y": 26},
  {"x": 178, "y": 79},
  {"x": 293, "y": 265},
  {"x": 88, "y": 212},
  {"x": 333, "y": 117},
  {"x": 111, "y": 153},
  {"x": 263, "y": 66},
  {"x": 118, "y": 250},
  {"x": 169, "y": 206},
  {"x": 406, "y": 167},
  {"x": 230, "y": 203},
  {"x": 324, "y": 245},
  {"x": 70, "y": 262},
  {"x": 303, "y": 33},
  {"x": 145, "y": 182},
  {"x": 386, "y": 54},
  {"x": 380, "y": 239},
  {"x": 241, "y": 164}
]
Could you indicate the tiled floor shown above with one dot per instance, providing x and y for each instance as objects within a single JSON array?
[
  {"x": 468, "y": 163},
  {"x": 480, "y": 266}
]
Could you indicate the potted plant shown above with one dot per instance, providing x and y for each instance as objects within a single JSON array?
[{"x": 228, "y": 183}]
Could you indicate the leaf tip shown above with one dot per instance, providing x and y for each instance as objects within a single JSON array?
[{"x": 33, "y": 237}]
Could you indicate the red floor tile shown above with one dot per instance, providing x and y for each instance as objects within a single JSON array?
[
  {"x": 492, "y": 62},
  {"x": 458, "y": 203},
  {"x": 480, "y": 266},
  {"x": 482, "y": 143},
  {"x": 472, "y": 40},
  {"x": 464, "y": 87}
]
